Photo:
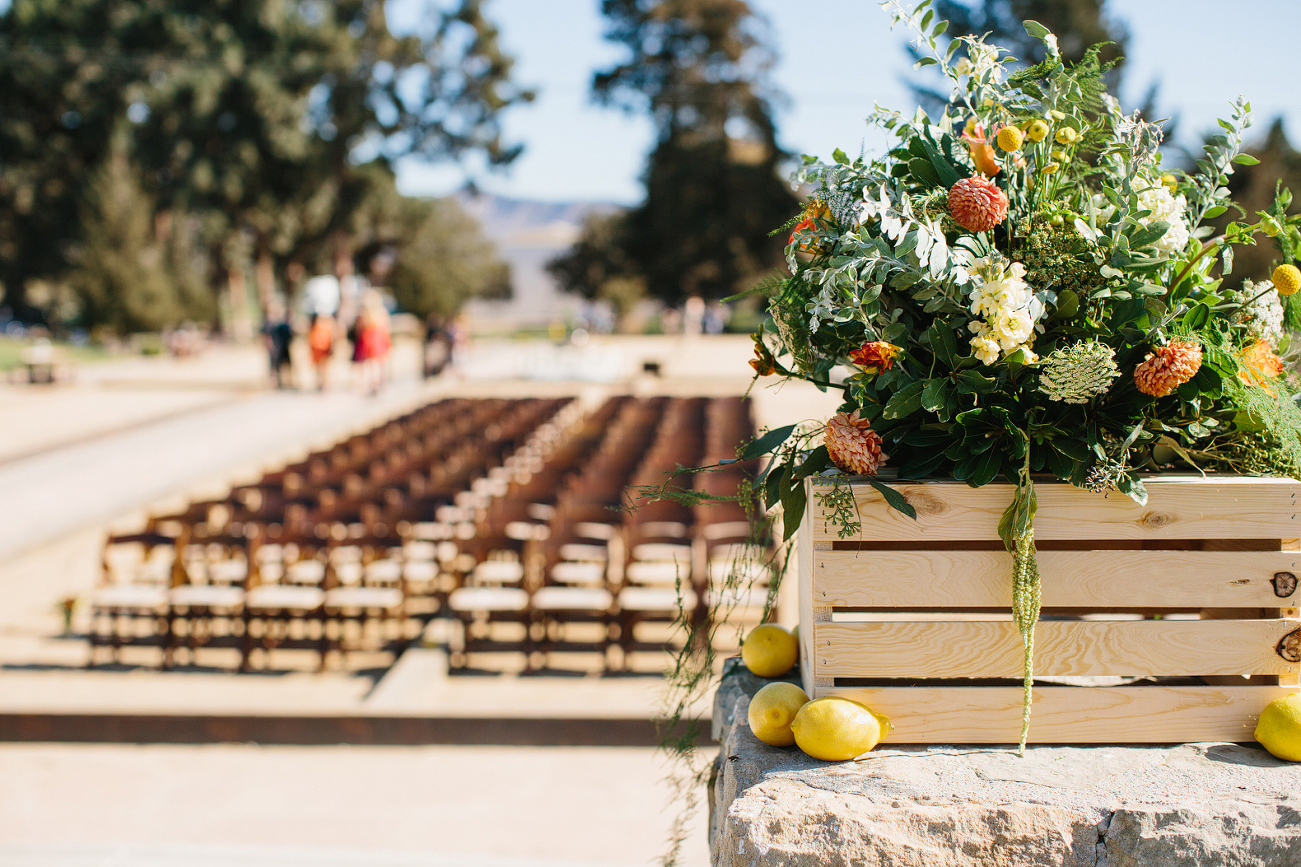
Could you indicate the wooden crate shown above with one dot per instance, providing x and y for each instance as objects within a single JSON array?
[{"x": 913, "y": 618}]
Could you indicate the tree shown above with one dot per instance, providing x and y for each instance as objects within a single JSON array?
[
  {"x": 120, "y": 277},
  {"x": 597, "y": 265},
  {"x": 268, "y": 120},
  {"x": 445, "y": 262},
  {"x": 713, "y": 193}
]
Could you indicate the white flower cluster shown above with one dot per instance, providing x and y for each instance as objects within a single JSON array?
[
  {"x": 1263, "y": 310},
  {"x": 1078, "y": 373},
  {"x": 1165, "y": 206},
  {"x": 1008, "y": 307}
]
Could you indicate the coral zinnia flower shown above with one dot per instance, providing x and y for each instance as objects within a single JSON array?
[
  {"x": 1168, "y": 367},
  {"x": 982, "y": 154},
  {"x": 875, "y": 356},
  {"x": 852, "y": 444},
  {"x": 1260, "y": 365},
  {"x": 815, "y": 212},
  {"x": 977, "y": 204}
]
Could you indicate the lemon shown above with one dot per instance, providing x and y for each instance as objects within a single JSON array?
[
  {"x": 771, "y": 711},
  {"x": 1279, "y": 728},
  {"x": 837, "y": 729},
  {"x": 769, "y": 650},
  {"x": 795, "y": 633}
]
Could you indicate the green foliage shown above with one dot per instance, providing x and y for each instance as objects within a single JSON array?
[
  {"x": 273, "y": 125},
  {"x": 445, "y": 262}
]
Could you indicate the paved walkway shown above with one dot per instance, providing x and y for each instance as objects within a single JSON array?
[{"x": 257, "y": 806}]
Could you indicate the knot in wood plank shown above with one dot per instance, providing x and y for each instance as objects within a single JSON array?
[
  {"x": 1284, "y": 584},
  {"x": 1290, "y": 646},
  {"x": 1156, "y": 520},
  {"x": 925, "y": 504}
]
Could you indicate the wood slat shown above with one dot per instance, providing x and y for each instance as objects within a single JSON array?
[
  {"x": 1071, "y": 579},
  {"x": 1219, "y": 507},
  {"x": 1166, "y": 648},
  {"x": 1063, "y": 714}
]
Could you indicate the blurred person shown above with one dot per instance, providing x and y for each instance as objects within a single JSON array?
[
  {"x": 278, "y": 335},
  {"x": 459, "y": 334},
  {"x": 438, "y": 346},
  {"x": 715, "y": 318},
  {"x": 693, "y": 315},
  {"x": 320, "y": 340},
  {"x": 373, "y": 342}
]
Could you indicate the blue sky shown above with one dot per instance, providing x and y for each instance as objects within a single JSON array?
[{"x": 836, "y": 58}]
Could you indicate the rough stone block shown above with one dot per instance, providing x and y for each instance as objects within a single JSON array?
[{"x": 1192, "y": 805}]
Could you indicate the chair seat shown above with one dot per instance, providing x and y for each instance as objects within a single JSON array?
[
  {"x": 420, "y": 570},
  {"x": 584, "y": 553},
  {"x": 740, "y": 597},
  {"x": 499, "y": 572},
  {"x": 662, "y": 551},
  {"x": 276, "y": 596},
  {"x": 363, "y": 597},
  {"x": 129, "y": 596},
  {"x": 572, "y": 599},
  {"x": 305, "y": 572},
  {"x": 207, "y": 596},
  {"x": 658, "y": 572},
  {"x": 578, "y": 573},
  {"x": 383, "y": 572},
  {"x": 595, "y": 530},
  {"x": 655, "y": 598},
  {"x": 228, "y": 571},
  {"x": 744, "y": 571},
  {"x": 488, "y": 599}
]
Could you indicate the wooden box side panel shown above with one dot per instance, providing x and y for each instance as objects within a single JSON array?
[
  {"x": 1063, "y": 714},
  {"x": 1220, "y": 507},
  {"x": 1070, "y": 579}
]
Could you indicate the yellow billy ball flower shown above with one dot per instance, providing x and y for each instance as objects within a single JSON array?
[
  {"x": 1037, "y": 130},
  {"x": 1061, "y": 156},
  {"x": 1287, "y": 279},
  {"x": 1010, "y": 138},
  {"x": 1067, "y": 135},
  {"x": 1170, "y": 182},
  {"x": 1049, "y": 169}
]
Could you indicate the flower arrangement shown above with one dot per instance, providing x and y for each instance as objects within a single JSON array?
[{"x": 1020, "y": 287}]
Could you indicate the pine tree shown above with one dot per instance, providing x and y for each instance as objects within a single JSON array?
[{"x": 713, "y": 191}]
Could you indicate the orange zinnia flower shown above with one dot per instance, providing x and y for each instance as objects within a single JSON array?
[
  {"x": 875, "y": 356},
  {"x": 982, "y": 154},
  {"x": 1260, "y": 365},
  {"x": 815, "y": 212}
]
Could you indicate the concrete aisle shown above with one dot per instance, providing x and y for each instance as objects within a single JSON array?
[
  {"x": 257, "y": 806},
  {"x": 53, "y": 494}
]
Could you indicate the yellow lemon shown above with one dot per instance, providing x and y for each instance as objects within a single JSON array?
[
  {"x": 1287, "y": 279},
  {"x": 837, "y": 729},
  {"x": 1279, "y": 728},
  {"x": 771, "y": 711},
  {"x": 1037, "y": 130},
  {"x": 1010, "y": 138},
  {"x": 769, "y": 650},
  {"x": 795, "y": 633}
]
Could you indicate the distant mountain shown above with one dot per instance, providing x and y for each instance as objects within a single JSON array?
[{"x": 528, "y": 235}]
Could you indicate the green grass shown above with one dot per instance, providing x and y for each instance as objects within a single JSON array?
[{"x": 11, "y": 350}]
